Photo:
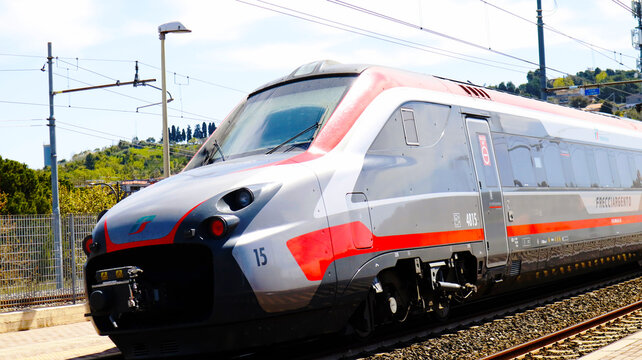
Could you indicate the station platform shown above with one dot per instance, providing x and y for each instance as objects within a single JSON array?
[
  {"x": 71, "y": 341},
  {"x": 51, "y": 334},
  {"x": 628, "y": 348}
]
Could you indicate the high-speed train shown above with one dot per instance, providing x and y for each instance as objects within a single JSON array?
[{"x": 342, "y": 197}]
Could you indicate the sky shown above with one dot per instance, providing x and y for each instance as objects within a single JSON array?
[{"x": 236, "y": 46}]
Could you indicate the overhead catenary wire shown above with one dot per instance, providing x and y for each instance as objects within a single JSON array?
[
  {"x": 196, "y": 79},
  {"x": 18, "y": 70},
  {"x": 88, "y": 70},
  {"x": 21, "y": 120},
  {"x": 580, "y": 41},
  {"x": 18, "y": 126},
  {"x": 169, "y": 71},
  {"x": 343, "y": 3},
  {"x": 624, "y": 6},
  {"x": 383, "y": 37},
  {"x": 134, "y": 98},
  {"x": 437, "y": 33},
  {"x": 101, "y": 109}
]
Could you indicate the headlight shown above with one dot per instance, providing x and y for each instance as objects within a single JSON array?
[{"x": 238, "y": 199}]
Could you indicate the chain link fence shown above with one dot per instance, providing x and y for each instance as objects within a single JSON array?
[{"x": 31, "y": 273}]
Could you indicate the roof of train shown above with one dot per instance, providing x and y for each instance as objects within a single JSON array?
[{"x": 558, "y": 116}]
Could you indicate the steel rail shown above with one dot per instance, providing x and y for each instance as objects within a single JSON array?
[
  {"x": 41, "y": 300},
  {"x": 543, "y": 341}
]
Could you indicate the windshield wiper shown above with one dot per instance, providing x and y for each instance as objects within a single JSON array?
[
  {"x": 211, "y": 156},
  {"x": 220, "y": 151},
  {"x": 314, "y": 126}
]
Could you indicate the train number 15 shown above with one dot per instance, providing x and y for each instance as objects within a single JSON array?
[{"x": 261, "y": 258}]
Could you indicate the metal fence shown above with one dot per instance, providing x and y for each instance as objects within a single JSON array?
[{"x": 31, "y": 271}]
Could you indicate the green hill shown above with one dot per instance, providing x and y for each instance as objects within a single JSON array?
[
  {"x": 137, "y": 160},
  {"x": 27, "y": 191}
]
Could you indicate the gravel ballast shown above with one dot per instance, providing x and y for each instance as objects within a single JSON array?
[{"x": 491, "y": 337}]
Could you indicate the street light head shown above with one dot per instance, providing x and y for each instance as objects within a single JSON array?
[{"x": 172, "y": 27}]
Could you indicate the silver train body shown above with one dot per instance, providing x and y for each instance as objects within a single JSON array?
[{"x": 343, "y": 197}]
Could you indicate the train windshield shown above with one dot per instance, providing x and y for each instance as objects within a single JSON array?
[{"x": 280, "y": 119}]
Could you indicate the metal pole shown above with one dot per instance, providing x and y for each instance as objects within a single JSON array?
[
  {"x": 638, "y": 10},
  {"x": 164, "y": 101},
  {"x": 72, "y": 237},
  {"x": 542, "y": 58},
  {"x": 55, "y": 204}
]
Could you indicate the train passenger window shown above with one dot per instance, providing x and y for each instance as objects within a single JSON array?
[
  {"x": 615, "y": 174},
  {"x": 637, "y": 183},
  {"x": 580, "y": 166},
  {"x": 537, "y": 147},
  {"x": 603, "y": 169},
  {"x": 553, "y": 163},
  {"x": 409, "y": 127},
  {"x": 592, "y": 167},
  {"x": 519, "y": 153},
  {"x": 567, "y": 166},
  {"x": 503, "y": 162},
  {"x": 624, "y": 170}
]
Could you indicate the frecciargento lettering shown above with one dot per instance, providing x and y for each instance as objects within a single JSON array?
[{"x": 612, "y": 201}]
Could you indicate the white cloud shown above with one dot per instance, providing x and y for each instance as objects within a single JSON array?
[
  {"x": 68, "y": 23},
  {"x": 220, "y": 20}
]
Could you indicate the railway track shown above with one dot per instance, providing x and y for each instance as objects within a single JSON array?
[
  {"x": 580, "y": 339},
  {"x": 411, "y": 340},
  {"x": 49, "y": 299},
  {"x": 416, "y": 343}
]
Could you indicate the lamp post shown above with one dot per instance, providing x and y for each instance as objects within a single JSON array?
[{"x": 171, "y": 27}]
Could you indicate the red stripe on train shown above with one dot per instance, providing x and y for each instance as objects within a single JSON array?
[
  {"x": 531, "y": 229},
  {"x": 315, "y": 251}
]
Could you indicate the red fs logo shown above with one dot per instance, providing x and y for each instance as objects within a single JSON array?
[
  {"x": 483, "y": 144},
  {"x": 140, "y": 224}
]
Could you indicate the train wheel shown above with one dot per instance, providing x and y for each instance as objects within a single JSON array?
[
  {"x": 397, "y": 306},
  {"x": 441, "y": 308}
]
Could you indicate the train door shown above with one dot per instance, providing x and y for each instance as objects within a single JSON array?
[{"x": 489, "y": 190}]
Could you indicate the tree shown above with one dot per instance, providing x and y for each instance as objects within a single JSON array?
[
  {"x": 601, "y": 77},
  {"x": 532, "y": 87},
  {"x": 86, "y": 200},
  {"x": 510, "y": 87},
  {"x": 189, "y": 133},
  {"x": 578, "y": 102},
  {"x": 197, "y": 131},
  {"x": 90, "y": 161},
  {"x": 183, "y": 136},
  {"x": 3, "y": 201},
  {"x": 204, "y": 129},
  {"x": 25, "y": 191},
  {"x": 172, "y": 134},
  {"x": 607, "y": 107},
  {"x": 563, "y": 81}
]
